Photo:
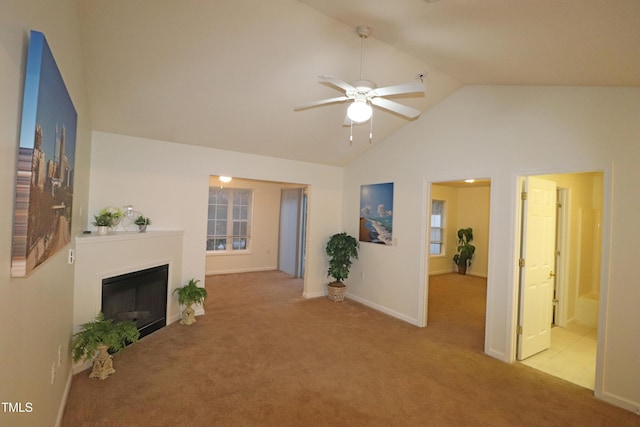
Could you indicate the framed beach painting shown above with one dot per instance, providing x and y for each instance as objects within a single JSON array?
[
  {"x": 46, "y": 157},
  {"x": 376, "y": 213}
]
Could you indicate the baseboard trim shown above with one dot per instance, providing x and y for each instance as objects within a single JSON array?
[
  {"x": 317, "y": 294},
  {"x": 65, "y": 397},
  {"x": 174, "y": 318},
  {"x": 469, "y": 273},
  {"x": 384, "y": 310},
  {"x": 497, "y": 355},
  {"x": 435, "y": 273},
  {"x": 618, "y": 401},
  {"x": 240, "y": 270},
  {"x": 82, "y": 366}
]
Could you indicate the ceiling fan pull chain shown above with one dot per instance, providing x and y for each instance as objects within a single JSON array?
[{"x": 351, "y": 133}]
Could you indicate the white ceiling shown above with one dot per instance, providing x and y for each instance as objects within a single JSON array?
[{"x": 227, "y": 73}]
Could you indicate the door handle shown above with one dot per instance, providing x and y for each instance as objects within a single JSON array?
[{"x": 552, "y": 274}]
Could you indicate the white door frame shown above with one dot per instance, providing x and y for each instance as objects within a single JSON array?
[
  {"x": 604, "y": 271},
  {"x": 423, "y": 295},
  {"x": 562, "y": 266}
]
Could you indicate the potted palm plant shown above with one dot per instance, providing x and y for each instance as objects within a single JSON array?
[
  {"x": 188, "y": 295},
  {"x": 102, "y": 335},
  {"x": 465, "y": 250},
  {"x": 341, "y": 249}
]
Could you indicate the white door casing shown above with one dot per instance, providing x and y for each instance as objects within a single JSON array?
[{"x": 536, "y": 276}]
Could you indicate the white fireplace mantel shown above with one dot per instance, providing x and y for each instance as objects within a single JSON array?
[{"x": 100, "y": 257}]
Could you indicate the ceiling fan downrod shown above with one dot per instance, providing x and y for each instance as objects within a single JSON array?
[{"x": 364, "y": 32}]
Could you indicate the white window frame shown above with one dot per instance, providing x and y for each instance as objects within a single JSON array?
[
  {"x": 434, "y": 227},
  {"x": 231, "y": 221}
]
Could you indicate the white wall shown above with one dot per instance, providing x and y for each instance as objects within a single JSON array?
[
  {"x": 500, "y": 133},
  {"x": 36, "y": 312},
  {"x": 101, "y": 257},
  {"x": 169, "y": 182}
]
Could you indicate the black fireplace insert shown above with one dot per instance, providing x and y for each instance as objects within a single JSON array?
[{"x": 140, "y": 296}]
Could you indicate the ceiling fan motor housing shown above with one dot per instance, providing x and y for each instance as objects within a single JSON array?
[
  {"x": 364, "y": 31},
  {"x": 363, "y": 86}
]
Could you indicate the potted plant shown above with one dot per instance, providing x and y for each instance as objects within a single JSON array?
[
  {"x": 106, "y": 219},
  {"x": 188, "y": 295},
  {"x": 102, "y": 335},
  {"x": 341, "y": 249},
  {"x": 465, "y": 250},
  {"x": 142, "y": 222}
]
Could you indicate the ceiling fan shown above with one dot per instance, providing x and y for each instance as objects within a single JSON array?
[{"x": 364, "y": 93}]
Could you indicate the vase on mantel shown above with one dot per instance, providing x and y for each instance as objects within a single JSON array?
[{"x": 103, "y": 230}]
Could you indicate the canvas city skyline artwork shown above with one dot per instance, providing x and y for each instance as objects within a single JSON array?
[{"x": 46, "y": 158}]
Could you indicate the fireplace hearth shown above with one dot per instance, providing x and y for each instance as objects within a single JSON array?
[{"x": 140, "y": 296}]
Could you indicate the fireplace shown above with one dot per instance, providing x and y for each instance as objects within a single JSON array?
[{"x": 140, "y": 296}]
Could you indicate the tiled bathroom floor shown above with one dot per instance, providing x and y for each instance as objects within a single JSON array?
[{"x": 572, "y": 355}]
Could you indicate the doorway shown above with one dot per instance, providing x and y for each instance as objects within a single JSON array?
[
  {"x": 576, "y": 259},
  {"x": 292, "y": 236},
  {"x": 276, "y": 228},
  {"x": 453, "y": 205}
]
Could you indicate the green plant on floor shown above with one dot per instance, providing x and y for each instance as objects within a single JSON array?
[
  {"x": 191, "y": 293},
  {"x": 341, "y": 249},
  {"x": 101, "y": 331},
  {"x": 188, "y": 295},
  {"x": 465, "y": 250}
]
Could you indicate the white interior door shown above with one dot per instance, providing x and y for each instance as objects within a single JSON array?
[{"x": 536, "y": 276}]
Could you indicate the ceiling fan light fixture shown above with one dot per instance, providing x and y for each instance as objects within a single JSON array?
[{"x": 359, "y": 111}]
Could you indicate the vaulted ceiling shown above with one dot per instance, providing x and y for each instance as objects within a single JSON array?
[{"x": 227, "y": 73}]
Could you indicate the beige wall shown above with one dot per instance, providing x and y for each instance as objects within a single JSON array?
[
  {"x": 584, "y": 234},
  {"x": 439, "y": 264},
  {"x": 464, "y": 207},
  {"x": 36, "y": 312},
  {"x": 263, "y": 254},
  {"x": 473, "y": 211}
]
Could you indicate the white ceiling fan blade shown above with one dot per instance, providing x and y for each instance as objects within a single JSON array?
[
  {"x": 337, "y": 82},
  {"x": 321, "y": 102},
  {"x": 403, "y": 110},
  {"x": 400, "y": 89}
]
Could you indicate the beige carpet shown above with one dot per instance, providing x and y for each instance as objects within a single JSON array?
[{"x": 264, "y": 356}]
